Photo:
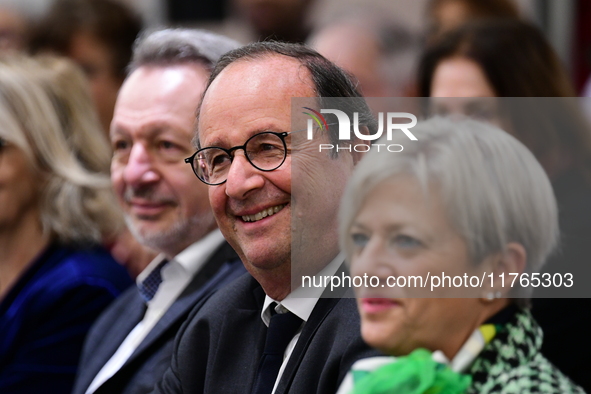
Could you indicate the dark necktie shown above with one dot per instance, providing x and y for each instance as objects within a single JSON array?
[
  {"x": 149, "y": 286},
  {"x": 282, "y": 329}
]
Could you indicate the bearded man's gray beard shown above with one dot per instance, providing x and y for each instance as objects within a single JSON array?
[{"x": 183, "y": 232}]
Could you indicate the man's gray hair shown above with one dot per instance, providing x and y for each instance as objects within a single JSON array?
[
  {"x": 493, "y": 189},
  {"x": 179, "y": 46}
]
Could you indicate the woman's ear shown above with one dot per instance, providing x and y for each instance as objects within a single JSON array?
[
  {"x": 514, "y": 258},
  {"x": 505, "y": 268}
]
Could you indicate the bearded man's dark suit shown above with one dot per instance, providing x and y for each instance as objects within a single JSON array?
[
  {"x": 218, "y": 349},
  {"x": 150, "y": 360}
]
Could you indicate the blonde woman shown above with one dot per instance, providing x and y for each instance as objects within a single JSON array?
[
  {"x": 66, "y": 82},
  {"x": 56, "y": 207}
]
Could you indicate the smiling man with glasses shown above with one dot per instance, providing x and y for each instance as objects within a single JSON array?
[{"x": 274, "y": 196}]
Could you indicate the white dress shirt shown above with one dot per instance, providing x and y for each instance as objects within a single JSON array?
[
  {"x": 176, "y": 275},
  {"x": 299, "y": 306}
]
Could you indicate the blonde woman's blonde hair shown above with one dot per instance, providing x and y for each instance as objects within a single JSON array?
[{"x": 47, "y": 111}]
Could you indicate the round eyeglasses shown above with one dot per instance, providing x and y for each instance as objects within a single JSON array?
[
  {"x": 3, "y": 144},
  {"x": 265, "y": 151}
]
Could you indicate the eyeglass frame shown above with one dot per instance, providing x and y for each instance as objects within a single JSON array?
[
  {"x": 281, "y": 135},
  {"x": 3, "y": 144}
]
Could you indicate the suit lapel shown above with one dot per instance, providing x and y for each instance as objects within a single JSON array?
[
  {"x": 325, "y": 304},
  {"x": 200, "y": 286},
  {"x": 242, "y": 350},
  {"x": 115, "y": 331},
  {"x": 320, "y": 312},
  {"x": 134, "y": 313}
]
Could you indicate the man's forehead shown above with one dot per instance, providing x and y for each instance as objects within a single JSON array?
[
  {"x": 254, "y": 94},
  {"x": 155, "y": 93},
  {"x": 269, "y": 73}
]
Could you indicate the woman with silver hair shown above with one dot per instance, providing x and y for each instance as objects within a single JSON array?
[
  {"x": 507, "y": 72},
  {"x": 56, "y": 207},
  {"x": 466, "y": 201}
]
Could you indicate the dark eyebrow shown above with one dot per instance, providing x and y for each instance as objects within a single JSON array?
[{"x": 218, "y": 144}]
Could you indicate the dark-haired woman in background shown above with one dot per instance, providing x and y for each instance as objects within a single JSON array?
[
  {"x": 447, "y": 15},
  {"x": 509, "y": 58}
]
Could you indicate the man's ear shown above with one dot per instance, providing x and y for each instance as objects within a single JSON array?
[
  {"x": 357, "y": 156},
  {"x": 504, "y": 267}
]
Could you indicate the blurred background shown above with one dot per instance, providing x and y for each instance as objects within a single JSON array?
[{"x": 561, "y": 21}]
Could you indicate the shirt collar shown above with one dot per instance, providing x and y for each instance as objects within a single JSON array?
[
  {"x": 301, "y": 301},
  {"x": 191, "y": 259}
]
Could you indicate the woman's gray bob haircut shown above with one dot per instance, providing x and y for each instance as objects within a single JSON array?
[
  {"x": 179, "y": 46},
  {"x": 493, "y": 189}
]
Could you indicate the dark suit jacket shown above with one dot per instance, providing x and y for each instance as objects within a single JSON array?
[
  {"x": 218, "y": 349},
  {"x": 46, "y": 314},
  {"x": 566, "y": 321},
  {"x": 147, "y": 364}
]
